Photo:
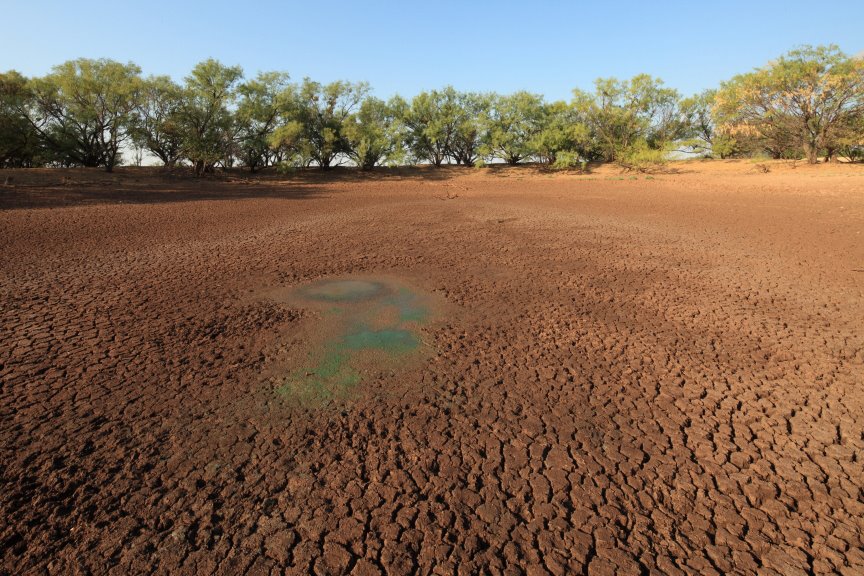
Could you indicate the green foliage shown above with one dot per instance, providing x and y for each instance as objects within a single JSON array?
[
  {"x": 850, "y": 139},
  {"x": 432, "y": 121},
  {"x": 642, "y": 157},
  {"x": 726, "y": 146},
  {"x": 514, "y": 123},
  {"x": 563, "y": 140},
  {"x": 156, "y": 126},
  {"x": 702, "y": 136},
  {"x": 287, "y": 140},
  {"x": 625, "y": 116},
  {"x": 206, "y": 120},
  {"x": 265, "y": 103},
  {"x": 469, "y": 127},
  {"x": 700, "y": 133},
  {"x": 316, "y": 133},
  {"x": 19, "y": 141},
  {"x": 374, "y": 134},
  {"x": 798, "y": 104},
  {"x": 444, "y": 125},
  {"x": 83, "y": 110},
  {"x": 568, "y": 160},
  {"x": 807, "y": 103}
]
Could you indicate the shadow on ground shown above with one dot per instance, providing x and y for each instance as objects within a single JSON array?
[{"x": 55, "y": 187}]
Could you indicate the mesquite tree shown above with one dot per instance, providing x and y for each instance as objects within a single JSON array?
[
  {"x": 625, "y": 116},
  {"x": 83, "y": 110},
  {"x": 264, "y": 103},
  {"x": 316, "y": 135},
  {"x": 206, "y": 117},
  {"x": 19, "y": 143},
  {"x": 804, "y": 100},
  {"x": 157, "y": 126},
  {"x": 432, "y": 121},
  {"x": 514, "y": 121},
  {"x": 375, "y": 134}
]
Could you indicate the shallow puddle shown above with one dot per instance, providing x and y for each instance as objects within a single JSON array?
[{"x": 361, "y": 327}]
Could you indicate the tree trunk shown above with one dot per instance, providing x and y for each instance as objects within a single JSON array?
[
  {"x": 110, "y": 162},
  {"x": 811, "y": 152}
]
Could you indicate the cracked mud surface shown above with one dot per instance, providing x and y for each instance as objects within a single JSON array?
[{"x": 654, "y": 375}]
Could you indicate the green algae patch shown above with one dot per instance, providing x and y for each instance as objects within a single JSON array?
[
  {"x": 409, "y": 305},
  {"x": 359, "y": 329},
  {"x": 331, "y": 376},
  {"x": 392, "y": 341}
]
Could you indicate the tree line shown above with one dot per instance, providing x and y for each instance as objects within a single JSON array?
[{"x": 809, "y": 103}]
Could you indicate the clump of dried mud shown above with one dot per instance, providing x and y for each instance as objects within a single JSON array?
[{"x": 638, "y": 375}]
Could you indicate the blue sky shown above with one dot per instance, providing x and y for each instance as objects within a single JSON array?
[{"x": 543, "y": 46}]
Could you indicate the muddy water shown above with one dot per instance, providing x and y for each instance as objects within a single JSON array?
[{"x": 359, "y": 328}]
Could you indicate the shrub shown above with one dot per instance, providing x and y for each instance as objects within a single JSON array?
[{"x": 643, "y": 158}]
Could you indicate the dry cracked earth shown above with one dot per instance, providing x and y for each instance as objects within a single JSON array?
[{"x": 636, "y": 375}]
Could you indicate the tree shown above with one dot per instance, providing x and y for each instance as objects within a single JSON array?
[
  {"x": 157, "y": 126},
  {"x": 701, "y": 135},
  {"x": 514, "y": 121},
  {"x": 264, "y": 102},
  {"x": 375, "y": 133},
  {"x": 19, "y": 142},
  {"x": 802, "y": 100},
  {"x": 563, "y": 138},
  {"x": 205, "y": 117},
  {"x": 83, "y": 110},
  {"x": 628, "y": 115},
  {"x": 850, "y": 139},
  {"x": 432, "y": 120},
  {"x": 469, "y": 128},
  {"x": 701, "y": 132},
  {"x": 317, "y": 133}
]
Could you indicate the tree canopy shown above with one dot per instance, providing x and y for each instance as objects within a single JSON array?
[
  {"x": 82, "y": 110},
  {"x": 206, "y": 120},
  {"x": 808, "y": 103},
  {"x": 805, "y": 101},
  {"x": 321, "y": 112}
]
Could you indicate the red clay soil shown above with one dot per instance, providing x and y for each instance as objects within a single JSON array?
[{"x": 640, "y": 374}]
